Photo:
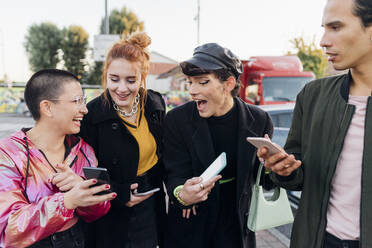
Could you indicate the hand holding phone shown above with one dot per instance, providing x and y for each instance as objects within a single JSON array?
[
  {"x": 138, "y": 197},
  {"x": 259, "y": 142},
  {"x": 215, "y": 168},
  {"x": 100, "y": 174},
  {"x": 146, "y": 193},
  {"x": 281, "y": 165}
]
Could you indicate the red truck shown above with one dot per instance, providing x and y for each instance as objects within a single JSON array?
[{"x": 273, "y": 79}]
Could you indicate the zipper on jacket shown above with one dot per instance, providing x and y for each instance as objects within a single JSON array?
[
  {"x": 85, "y": 156},
  {"x": 27, "y": 168},
  {"x": 335, "y": 149},
  {"x": 361, "y": 181},
  {"x": 55, "y": 170},
  {"x": 73, "y": 161}
]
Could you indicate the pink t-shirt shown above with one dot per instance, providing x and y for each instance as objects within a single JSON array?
[{"x": 343, "y": 212}]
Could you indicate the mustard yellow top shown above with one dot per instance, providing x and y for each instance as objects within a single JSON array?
[{"x": 146, "y": 142}]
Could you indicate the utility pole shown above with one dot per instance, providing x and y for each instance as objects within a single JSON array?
[
  {"x": 106, "y": 20},
  {"x": 197, "y": 18},
  {"x": 3, "y": 52}
]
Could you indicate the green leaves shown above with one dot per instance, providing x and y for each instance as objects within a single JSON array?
[
  {"x": 312, "y": 58},
  {"x": 42, "y": 44},
  {"x": 74, "y": 46},
  {"x": 48, "y": 46},
  {"x": 122, "y": 22}
]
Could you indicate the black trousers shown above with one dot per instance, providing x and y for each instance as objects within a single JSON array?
[
  {"x": 334, "y": 242},
  {"x": 71, "y": 238},
  {"x": 139, "y": 227},
  {"x": 143, "y": 231},
  {"x": 227, "y": 233}
]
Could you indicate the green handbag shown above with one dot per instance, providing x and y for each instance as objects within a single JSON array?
[{"x": 265, "y": 214}]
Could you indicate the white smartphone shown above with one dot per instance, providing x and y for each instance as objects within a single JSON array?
[
  {"x": 215, "y": 168},
  {"x": 147, "y": 192},
  {"x": 260, "y": 142}
]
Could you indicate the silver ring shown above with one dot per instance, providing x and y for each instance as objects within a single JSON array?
[{"x": 201, "y": 186}]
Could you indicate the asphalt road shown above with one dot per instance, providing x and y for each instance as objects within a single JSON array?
[{"x": 10, "y": 123}]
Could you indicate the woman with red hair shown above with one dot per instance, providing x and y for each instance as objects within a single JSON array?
[{"x": 124, "y": 127}]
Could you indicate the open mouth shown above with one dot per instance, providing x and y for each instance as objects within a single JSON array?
[
  {"x": 77, "y": 120},
  {"x": 201, "y": 104}
]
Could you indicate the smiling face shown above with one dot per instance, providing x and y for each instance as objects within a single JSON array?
[
  {"x": 212, "y": 97},
  {"x": 69, "y": 109},
  {"x": 347, "y": 43},
  {"x": 123, "y": 83}
]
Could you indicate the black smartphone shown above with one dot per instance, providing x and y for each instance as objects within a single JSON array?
[{"x": 100, "y": 174}]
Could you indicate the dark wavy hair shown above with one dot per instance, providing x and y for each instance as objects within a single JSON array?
[{"x": 363, "y": 10}]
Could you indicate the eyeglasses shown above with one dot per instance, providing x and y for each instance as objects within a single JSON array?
[{"x": 79, "y": 100}]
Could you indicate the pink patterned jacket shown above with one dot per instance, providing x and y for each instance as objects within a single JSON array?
[{"x": 26, "y": 218}]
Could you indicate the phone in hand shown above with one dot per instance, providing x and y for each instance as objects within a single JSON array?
[
  {"x": 100, "y": 174},
  {"x": 215, "y": 168},
  {"x": 264, "y": 142},
  {"x": 147, "y": 192}
]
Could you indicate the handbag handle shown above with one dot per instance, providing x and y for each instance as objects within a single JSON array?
[{"x": 259, "y": 174}]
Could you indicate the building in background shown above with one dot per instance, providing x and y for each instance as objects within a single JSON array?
[{"x": 159, "y": 64}]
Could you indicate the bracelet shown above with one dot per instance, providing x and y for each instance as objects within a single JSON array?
[
  {"x": 62, "y": 208},
  {"x": 176, "y": 193},
  {"x": 267, "y": 171}
]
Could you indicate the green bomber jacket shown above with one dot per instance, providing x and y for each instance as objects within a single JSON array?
[{"x": 321, "y": 119}]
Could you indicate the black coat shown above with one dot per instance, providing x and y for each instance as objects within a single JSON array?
[
  {"x": 117, "y": 150},
  {"x": 188, "y": 151}
]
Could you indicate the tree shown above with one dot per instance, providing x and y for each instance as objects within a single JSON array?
[
  {"x": 122, "y": 22},
  {"x": 74, "y": 47},
  {"x": 94, "y": 75},
  {"x": 42, "y": 43},
  {"x": 312, "y": 58}
]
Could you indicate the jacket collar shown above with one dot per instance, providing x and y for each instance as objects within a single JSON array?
[
  {"x": 345, "y": 86},
  {"x": 72, "y": 143},
  {"x": 105, "y": 111},
  {"x": 244, "y": 159},
  {"x": 245, "y": 118}
]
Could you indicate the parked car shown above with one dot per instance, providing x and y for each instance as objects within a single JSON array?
[{"x": 281, "y": 115}]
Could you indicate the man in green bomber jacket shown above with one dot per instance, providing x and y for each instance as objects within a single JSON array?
[{"x": 328, "y": 151}]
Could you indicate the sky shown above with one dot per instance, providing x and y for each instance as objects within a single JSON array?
[{"x": 247, "y": 27}]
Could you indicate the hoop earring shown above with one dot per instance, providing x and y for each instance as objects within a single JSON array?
[{"x": 136, "y": 100}]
